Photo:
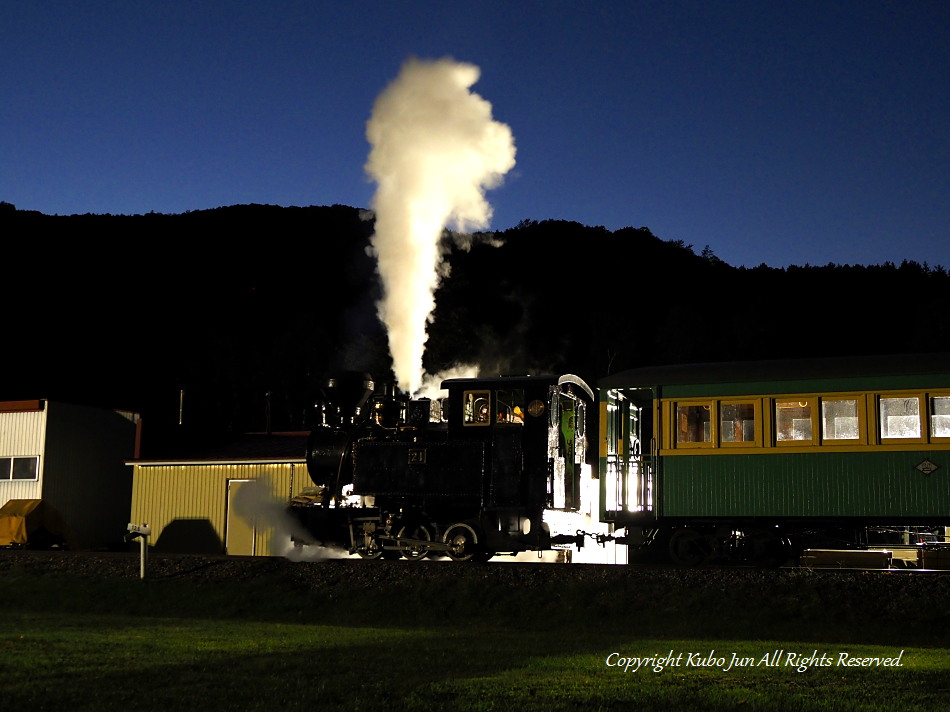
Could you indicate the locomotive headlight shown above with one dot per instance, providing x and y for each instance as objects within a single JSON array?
[{"x": 525, "y": 526}]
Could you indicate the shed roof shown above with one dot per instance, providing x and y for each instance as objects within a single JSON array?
[{"x": 248, "y": 448}]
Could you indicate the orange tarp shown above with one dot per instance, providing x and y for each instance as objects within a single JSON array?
[{"x": 21, "y": 519}]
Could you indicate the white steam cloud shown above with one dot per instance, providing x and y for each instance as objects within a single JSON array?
[
  {"x": 435, "y": 151},
  {"x": 262, "y": 510}
]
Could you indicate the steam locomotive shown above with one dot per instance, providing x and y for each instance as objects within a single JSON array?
[
  {"x": 478, "y": 473},
  {"x": 746, "y": 462}
]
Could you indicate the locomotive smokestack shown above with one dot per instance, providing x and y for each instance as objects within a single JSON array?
[
  {"x": 435, "y": 150},
  {"x": 346, "y": 393}
]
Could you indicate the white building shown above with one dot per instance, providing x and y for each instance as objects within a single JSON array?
[{"x": 73, "y": 459}]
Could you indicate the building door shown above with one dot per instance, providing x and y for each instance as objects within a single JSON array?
[{"x": 241, "y": 527}]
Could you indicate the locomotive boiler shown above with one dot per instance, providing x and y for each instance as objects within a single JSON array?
[{"x": 499, "y": 466}]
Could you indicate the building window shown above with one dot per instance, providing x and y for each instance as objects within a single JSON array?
[
  {"x": 794, "y": 421},
  {"x": 737, "y": 423},
  {"x": 19, "y": 468},
  {"x": 693, "y": 424},
  {"x": 900, "y": 417},
  {"x": 840, "y": 419}
]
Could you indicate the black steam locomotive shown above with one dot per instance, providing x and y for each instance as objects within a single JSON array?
[{"x": 478, "y": 473}]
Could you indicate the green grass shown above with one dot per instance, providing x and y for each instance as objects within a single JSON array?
[
  {"x": 86, "y": 644},
  {"x": 95, "y": 662}
]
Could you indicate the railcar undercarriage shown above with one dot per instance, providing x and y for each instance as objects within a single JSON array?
[{"x": 773, "y": 545}]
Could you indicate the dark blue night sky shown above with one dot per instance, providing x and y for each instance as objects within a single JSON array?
[{"x": 776, "y": 132}]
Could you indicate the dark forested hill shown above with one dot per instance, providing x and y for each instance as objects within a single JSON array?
[{"x": 247, "y": 307}]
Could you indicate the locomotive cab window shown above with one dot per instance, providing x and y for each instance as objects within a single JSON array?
[
  {"x": 477, "y": 410},
  {"x": 510, "y": 407}
]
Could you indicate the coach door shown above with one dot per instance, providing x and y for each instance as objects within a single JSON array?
[
  {"x": 567, "y": 445},
  {"x": 626, "y": 462}
]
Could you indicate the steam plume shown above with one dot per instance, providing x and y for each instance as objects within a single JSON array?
[
  {"x": 435, "y": 151},
  {"x": 262, "y": 510}
]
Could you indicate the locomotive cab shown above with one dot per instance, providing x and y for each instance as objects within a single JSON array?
[{"x": 533, "y": 431}]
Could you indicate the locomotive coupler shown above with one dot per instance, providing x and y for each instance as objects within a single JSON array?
[{"x": 576, "y": 539}]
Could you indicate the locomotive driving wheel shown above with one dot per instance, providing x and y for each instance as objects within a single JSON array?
[
  {"x": 371, "y": 547},
  {"x": 371, "y": 550},
  {"x": 462, "y": 541},
  {"x": 412, "y": 550}
]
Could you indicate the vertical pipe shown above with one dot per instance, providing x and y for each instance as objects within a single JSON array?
[{"x": 143, "y": 555}]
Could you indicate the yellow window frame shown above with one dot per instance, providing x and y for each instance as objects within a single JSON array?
[
  {"x": 931, "y": 415},
  {"x": 923, "y": 422},
  {"x": 679, "y": 423},
  {"x": 860, "y": 400},
  {"x": 476, "y": 408},
  {"x": 756, "y": 440},
  {"x": 790, "y": 402}
]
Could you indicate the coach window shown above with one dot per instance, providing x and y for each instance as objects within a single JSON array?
[
  {"x": 842, "y": 420},
  {"x": 737, "y": 423},
  {"x": 477, "y": 410},
  {"x": 795, "y": 421},
  {"x": 900, "y": 417},
  {"x": 940, "y": 416},
  {"x": 693, "y": 424}
]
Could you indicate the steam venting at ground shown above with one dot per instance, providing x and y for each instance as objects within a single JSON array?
[
  {"x": 435, "y": 151},
  {"x": 261, "y": 510}
]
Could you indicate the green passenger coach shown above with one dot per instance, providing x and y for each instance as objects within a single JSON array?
[{"x": 754, "y": 460}]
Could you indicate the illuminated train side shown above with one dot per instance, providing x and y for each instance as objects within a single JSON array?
[
  {"x": 755, "y": 461},
  {"x": 732, "y": 462}
]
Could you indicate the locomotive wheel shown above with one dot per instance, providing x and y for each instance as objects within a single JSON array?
[
  {"x": 415, "y": 552},
  {"x": 372, "y": 550},
  {"x": 462, "y": 541},
  {"x": 688, "y": 547}
]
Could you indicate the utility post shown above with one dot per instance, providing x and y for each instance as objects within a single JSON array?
[{"x": 142, "y": 531}]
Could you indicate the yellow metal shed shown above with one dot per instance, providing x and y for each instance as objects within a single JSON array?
[{"x": 227, "y": 501}]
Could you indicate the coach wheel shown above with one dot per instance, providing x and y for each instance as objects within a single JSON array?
[
  {"x": 688, "y": 547},
  {"x": 414, "y": 552},
  {"x": 770, "y": 550},
  {"x": 462, "y": 541}
]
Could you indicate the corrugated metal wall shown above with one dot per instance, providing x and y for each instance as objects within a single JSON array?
[
  {"x": 86, "y": 478},
  {"x": 23, "y": 434},
  {"x": 187, "y": 505}
]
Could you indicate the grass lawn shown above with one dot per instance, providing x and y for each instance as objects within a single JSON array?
[{"x": 89, "y": 645}]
